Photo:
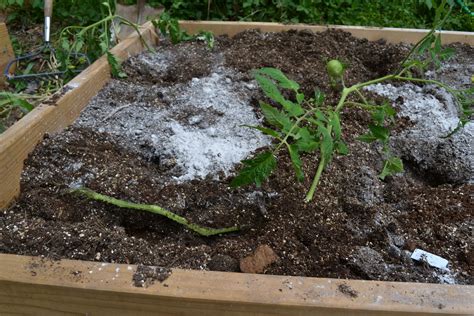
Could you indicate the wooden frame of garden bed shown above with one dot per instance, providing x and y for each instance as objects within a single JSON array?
[{"x": 32, "y": 285}]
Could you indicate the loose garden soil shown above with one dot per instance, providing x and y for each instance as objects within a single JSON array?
[{"x": 171, "y": 134}]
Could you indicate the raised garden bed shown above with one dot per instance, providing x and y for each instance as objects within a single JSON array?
[{"x": 132, "y": 142}]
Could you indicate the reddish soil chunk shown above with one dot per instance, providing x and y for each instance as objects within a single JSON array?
[{"x": 258, "y": 261}]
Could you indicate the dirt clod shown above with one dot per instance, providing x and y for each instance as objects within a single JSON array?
[
  {"x": 347, "y": 290},
  {"x": 147, "y": 275},
  {"x": 223, "y": 263},
  {"x": 262, "y": 257}
]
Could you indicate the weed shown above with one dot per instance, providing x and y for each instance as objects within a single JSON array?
[
  {"x": 169, "y": 26},
  {"x": 115, "y": 66},
  {"x": 11, "y": 101},
  {"x": 95, "y": 40}
]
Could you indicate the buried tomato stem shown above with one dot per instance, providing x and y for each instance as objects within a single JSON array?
[
  {"x": 314, "y": 184},
  {"x": 204, "y": 231}
]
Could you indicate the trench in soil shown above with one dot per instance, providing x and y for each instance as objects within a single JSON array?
[{"x": 171, "y": 134}]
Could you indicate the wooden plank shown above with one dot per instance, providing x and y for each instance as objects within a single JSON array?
[
  {"x": 6, "y": 52},
  {"x": 138, "y": 13},
  {"x": 22, "y": 137},
  {"x": 391, "y": 35},
  {"x": 38, "y": 286}
]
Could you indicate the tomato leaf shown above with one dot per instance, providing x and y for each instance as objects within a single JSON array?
[
  {"x": 256, "y": 170},
  {"x": 391, "y": 166}
]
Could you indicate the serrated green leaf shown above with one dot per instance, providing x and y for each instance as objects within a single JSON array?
[
  {"x": 271, "y": 90},
  {"x": 318, "y": 119},
  {"x": 335, "y": 122},
  {"x": 447, "y": 53},
  {"x": 275, "y": 117},
  {"x": 320, "y": 116},
  {"x": 341, "y": 148},
  {"x": 306, "y": 141},
  {"x": 12, "y": 100},
  {"x": 327, "y": 144},
  {"x": 266, "y": 131},
  {"x": 378, "y": 115},
  {"x": 115, "y": 66},
  {"x": 296, "y": 161},
  {"x": 300, "y": 97},
  {"x": 65, "y": 44},
  {"x": 367, "y": 138},
  {"x": 389, "y": 110},
  {"x": 379, "y": 132},
  {"x": 428, "y": 3},
  {"x": 306, "y": 146},
  {"x": 24, "y": 105},
  {"x": 256, "y": 170},
  {"x": 392, "y": 166},
  {"x": 319, "y": 97},
  {"x": 426, "y": 44},
  {"x": 78, "y": 44},
  {"x": 292, "y": 108},
  {"x": 280, "y": 77},
  {"x": 437, "y": 44}
]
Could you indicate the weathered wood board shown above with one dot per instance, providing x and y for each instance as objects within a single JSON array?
[
  {"x": 44, "y": 287},
  {"x": 6, "y": 52},
  {"x": 391, "y": 35}
]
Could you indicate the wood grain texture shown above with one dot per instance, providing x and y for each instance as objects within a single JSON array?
[
  {"x": 138, "y": 13},
  {"x": 22, "y": 137},
  {"x": 391, "y": 35},
  {"x": 29, "y": 284},
  {"x": 6, "y": 51}
]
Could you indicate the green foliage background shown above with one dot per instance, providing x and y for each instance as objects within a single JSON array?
[
  {"x": 67, "y": 12},
  {"x": 394, "y": 13}
]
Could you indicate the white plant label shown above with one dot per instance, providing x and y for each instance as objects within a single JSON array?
[{"x": 432, "y": 259}]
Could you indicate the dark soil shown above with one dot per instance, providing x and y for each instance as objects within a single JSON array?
[{"x": 358, "y": 226}]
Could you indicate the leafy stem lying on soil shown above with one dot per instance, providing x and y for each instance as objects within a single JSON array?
[
  {"x": 170, "y": 26},
  {"x": 309, "y": 125},
  {"x": 204, "y": 231},
  {"x": 10, "y": 101},
  {"x": 95, "y": 39}
]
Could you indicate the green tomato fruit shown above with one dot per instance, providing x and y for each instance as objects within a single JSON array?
[{"x": 335, "y": 68}]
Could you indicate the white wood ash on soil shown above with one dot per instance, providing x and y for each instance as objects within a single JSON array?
[
  {"x": 434, "y": 114},
  {"x": 195, "y": 127}
]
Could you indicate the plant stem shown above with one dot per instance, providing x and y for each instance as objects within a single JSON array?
[
  {"x": 355, "y": 88},
  {"x": 298, "y": 121},
  {"x": 340, "y": 105},
  {"x": 437, "y": 24},
  {"x": 314, "y": 184},
  {"x": 362, "y": 97},
  {"x": 436, "y": 82},
  {"x": 204, "y": 231}
]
